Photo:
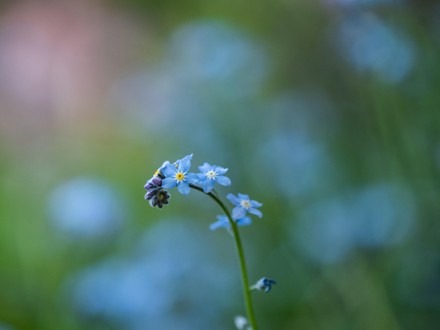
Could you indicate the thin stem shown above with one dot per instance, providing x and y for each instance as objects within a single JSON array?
[{"x": 241, "y": 258}]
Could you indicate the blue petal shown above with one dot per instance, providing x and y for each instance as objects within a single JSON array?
[
  {"x": 165, "y": 163},
  {"x": 215, "y": 225},
  {"x": 221, "y": 222},
  {"x": 205, "y": 168},
  {"x": 187, "y": 157},
  {"x": 255, "y": 212},
  {"x": 168, "y": 183},
  {"x": 246, "y": 221},
  {"x": 238, "y": 212},
  {"x": 233, "y": 199},
  {"x": 256, "y": 204},
  {"x": 223, "y": 218},
  {"x": 169, "y": 170},
  {"x": 184, "y": 164},
  {"x": 243, "y": 197},
  {"x": 192, "y": 178},
  {"x": 223, "y": 180},
  {"x": 220, "y": 170},
  {"x": 183, "y": 188},
  {"x": 208, "y": 185}
]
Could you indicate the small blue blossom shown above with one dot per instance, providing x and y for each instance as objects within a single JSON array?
[
  {"x": 243, "y": 204},
  {"x": 177, "y": 175},
  {"x": 263, "y": 284},
  {"x": 241, "y": 323},
  {"x": 223, "y": 222},
  {"x": 210, "y": 175}
]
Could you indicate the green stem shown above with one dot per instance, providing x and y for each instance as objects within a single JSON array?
[{"x": 241, "y": 258}]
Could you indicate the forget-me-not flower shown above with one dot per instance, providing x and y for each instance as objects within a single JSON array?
[
  {"x": 243, "y": 204},
  {"x": 241, "y": 323},
  {"x": 223, "y": 222},
  {"x": 210, "y": 174},
  {"x": 263, "y": 284},
  {"x": 177, "y": 175}
]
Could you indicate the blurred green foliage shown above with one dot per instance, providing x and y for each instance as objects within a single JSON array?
[{"x": 341, "y": 147}]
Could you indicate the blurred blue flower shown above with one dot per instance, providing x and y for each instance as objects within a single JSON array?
[
  {"x": 177, "y": 175},
  {"x": 86, "y": 207},
  {"x": 263, "y": 284},
  {"x": 208, "y": 66},
  {"x": 243, "y": 204},
  {"x": 324, "y": 231},
  {"x": 223, "y": 222},
  {"x": 241, "y": 323},
  {"x": 214, "y": 52},
  {"x": 310, "y": 167},
  {"x": 371, "y": 45},
  {"x": 154, "y": 286},
  {"x": 364, "y": 2},
  {"x": 374, "y": 217},
  {"x": 383, "y": 215},
  {"x": 210, "y": 175}
]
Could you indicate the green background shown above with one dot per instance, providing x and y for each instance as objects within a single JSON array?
[{"x": 327, "y": 112}]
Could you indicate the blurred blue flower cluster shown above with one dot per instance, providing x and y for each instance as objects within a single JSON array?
[
  {"x": 157, "y": 284},
  {"x": 207, "y": 65},
  {"x": 373, "y": 46},
  {"x": 86, "y": 207},
  {"x": 377, "y": 216}
]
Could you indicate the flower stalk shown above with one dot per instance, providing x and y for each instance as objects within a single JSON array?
[{"x": 242, "y": 260}]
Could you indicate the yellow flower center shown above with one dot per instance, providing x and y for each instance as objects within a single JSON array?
[
  {"x": 211, "y": 174},
  {"x": 179, "y": 176},
  {"x": 245, "y": 203},
  {"x": 156, "y": 173}
]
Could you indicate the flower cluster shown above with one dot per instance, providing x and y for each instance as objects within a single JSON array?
[{"x": 177, "y": 174}]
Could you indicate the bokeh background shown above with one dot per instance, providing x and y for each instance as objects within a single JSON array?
[{"x": 326, "y": 111}]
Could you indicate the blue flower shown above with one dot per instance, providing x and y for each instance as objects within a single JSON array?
[
  {"x": 210, "y": 175},
  {"x": 177, "y": 175},
  {"x": 263, "y": 284},
  {"x": 243, "y": 204},
  {"x": 223, "y": 222}
]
